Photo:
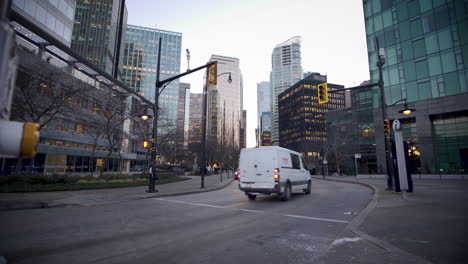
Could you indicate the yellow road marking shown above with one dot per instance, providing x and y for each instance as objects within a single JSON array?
[{"x": 236, "y": 204}]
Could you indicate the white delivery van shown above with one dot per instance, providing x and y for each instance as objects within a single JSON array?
[{"x": 267, "y": 170}]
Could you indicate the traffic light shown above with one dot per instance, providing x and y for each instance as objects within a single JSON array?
[
  {"x": 322, "y": 93},
  {"x": 387, "y": 128},
  {"x": 212, "y": 75},
  {"x": 148, "y": 144}
]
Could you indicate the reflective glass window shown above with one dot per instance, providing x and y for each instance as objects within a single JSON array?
[
  {"x": 407, "y": 50},
  {"x": 435, "y": 67},
  {"x": 424, "y": 91},
  {"x": 390, "y": 37},
  {"x": 391, "y": 55},
  {"x": 393, "y": 75},
  {"x": 422, "y": 70},
  {"x": 425, "y": 5},
  {"x": 451, "y": 83},
  {"x": 419, "y": 48},
  {"x": 30, "y": 8},
  {"x": 378, "y": 24},
  {"x": 409, "y": 70},
  {"x": 412, "y": 93},
  {"x": 41, "y": 14},
  {"x": 370, "y": 26},
  {"x": 448, "y": 61},
  {"x": 405, "y": 31},
  {"x": 375, "y": 6},
  {"x": 416, "y": 27},
  {"x": 387, "y": 18},
  {"x": 431, "y": 43},
  {"x": 445, "y": 39},
  {"x": 413, "y": 8},
  {"x": 434, "y": 88},
  {"x": 402, "y": 11},
  {"x": 50, "y": 21}
]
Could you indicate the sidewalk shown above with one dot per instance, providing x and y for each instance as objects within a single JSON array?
[
  {"x": 429, "y": 225},
  {"x": 15, "y": 201}
]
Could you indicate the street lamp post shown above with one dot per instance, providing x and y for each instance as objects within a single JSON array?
[
  {"x": 159, "y": 84},
  {"x": 203, "y": 155},
  {"x": 380, "y": 63}
]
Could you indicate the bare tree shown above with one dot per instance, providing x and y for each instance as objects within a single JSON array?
[{"x": 43, "y": 97}]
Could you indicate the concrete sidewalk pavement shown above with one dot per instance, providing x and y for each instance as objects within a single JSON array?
[
  {"x": 429, "y": 225},
  {"x": 31, "y": 200}
]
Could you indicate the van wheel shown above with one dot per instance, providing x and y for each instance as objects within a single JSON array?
[
  {"x": 308, "y": 190},
  {"x": 286, "y": 196},
  {"x": 251, "y": 196}
]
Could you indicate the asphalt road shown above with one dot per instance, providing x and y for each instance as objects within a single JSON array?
[{"x": 214, "y": 227}]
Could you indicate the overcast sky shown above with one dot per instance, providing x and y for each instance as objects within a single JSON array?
[{"x": 332, "y": 32}]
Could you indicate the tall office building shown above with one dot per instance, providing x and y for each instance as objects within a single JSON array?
[
  {"x": 225, "y": 103},
  {"x": 302, "y": 124},
  {"x": 243, "y": 130},
  {"x": 286, "y": 70},
  {"x": 139, "y": 66},
  {"x": 96, "y": 32},
  {"x": 195, "y": 126},
  {"x": 426, "y": 51},
  {"x": 263, "y": 103},
  {"x": 53, "y": 16},
  {"x": 184, "y": 90}
]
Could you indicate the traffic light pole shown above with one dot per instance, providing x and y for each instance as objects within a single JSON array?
[{"x": 157, "y": 93}]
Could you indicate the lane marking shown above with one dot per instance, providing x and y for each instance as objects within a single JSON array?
[
  {"x": 318, "y": 218},
  {"x": 256, "y": 211},
  {"x": 252, "y": 211},
  {"x": 235, "y": 204}
]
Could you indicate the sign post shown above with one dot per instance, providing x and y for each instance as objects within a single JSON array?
[
  {"x": 356, "y": 156},
  {"x": 400, "y": 151}
]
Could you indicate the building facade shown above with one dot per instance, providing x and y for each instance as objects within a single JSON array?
[
  {"x": 426, "y": 51},
  {"x": 263, "y": 105},
  {"x": 96, "y": 32},
  {"x": 286, "y": 70},
  {"x": 184, "y": 89},
  {"x": 53, "y": 16},
  {"x": 139, "y": 67},
  {"x": 243, "y": 130},
  {"x": 195, "y": 127},
  {"x": 224, "y": 112},
  {"x": 302, "y": 125}
]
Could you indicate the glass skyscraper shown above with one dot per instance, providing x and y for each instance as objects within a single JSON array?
[
  {"x": 225, "y": 104},
  {"x": 53, "y": 16},
  {"x": 139, "y": 65},
  {"x": 263, "y": 102},
  {"x": 286, "y": 71},
  {"x": 426, "y": 51},
  {"x": 95, "y": 32}
]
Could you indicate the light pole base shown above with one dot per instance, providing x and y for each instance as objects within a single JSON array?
[{"x": 152, "y": 191}]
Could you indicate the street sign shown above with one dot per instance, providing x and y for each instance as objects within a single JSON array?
[{"x": 357, "y": 155}]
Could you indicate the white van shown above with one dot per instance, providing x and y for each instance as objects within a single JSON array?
[{"x": 268, "y": 170}]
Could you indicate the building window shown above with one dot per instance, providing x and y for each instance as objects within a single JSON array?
[
  {"x": 79, "y": 129},
  {"x": 50, "y": 142}
]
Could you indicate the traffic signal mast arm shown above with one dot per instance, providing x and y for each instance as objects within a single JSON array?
[{"x": 353, "y": 88}]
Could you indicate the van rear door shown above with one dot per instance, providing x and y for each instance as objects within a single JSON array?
[{"x": 257, "y": 165}]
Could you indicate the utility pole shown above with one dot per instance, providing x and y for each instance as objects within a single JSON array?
[
  {"x": 380, "y": 63},
  {"x": 159, "y": 84}
]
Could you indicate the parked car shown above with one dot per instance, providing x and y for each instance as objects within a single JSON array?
[{"x": 272, "y": 169}]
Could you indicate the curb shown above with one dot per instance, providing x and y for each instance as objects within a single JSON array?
[
  {"x": 185, "y": 193},
  {"x": 44, "y": 205},
  {"x": 359, "y": 219}
]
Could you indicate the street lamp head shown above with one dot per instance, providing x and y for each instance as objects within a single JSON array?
[
  {"x": 230, "y": 79},
  {"x": 407, "y": 110},
  {"x": 145, "y": 115}
]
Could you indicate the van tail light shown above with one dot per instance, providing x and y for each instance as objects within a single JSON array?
[
  {"x": 238, "y": 174},
  {"x": 276, "y": 175}
]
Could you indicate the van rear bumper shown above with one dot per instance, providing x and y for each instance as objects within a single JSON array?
[{"x": 275, "y": 189}]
